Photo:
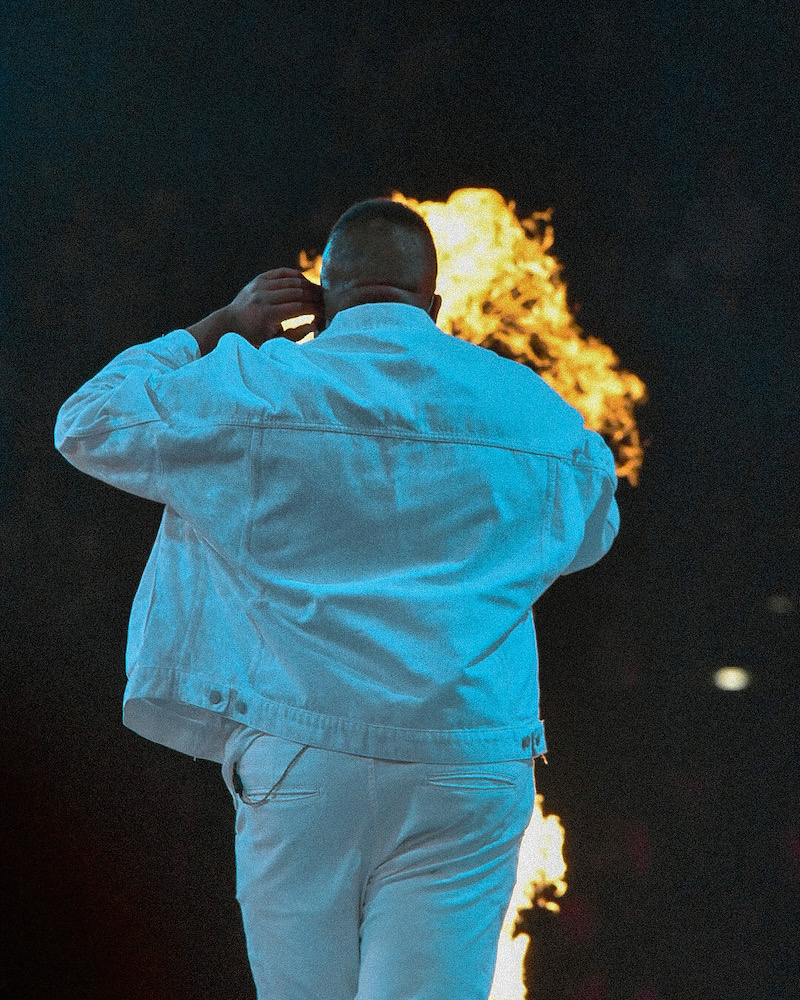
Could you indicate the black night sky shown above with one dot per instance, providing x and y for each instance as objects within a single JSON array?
[{"x": 159, "y": 155}]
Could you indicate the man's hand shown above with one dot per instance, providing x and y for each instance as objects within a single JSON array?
[{"x": 261, "y": 306}]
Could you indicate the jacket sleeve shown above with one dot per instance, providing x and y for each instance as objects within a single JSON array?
[
  {"x": 600, "y": 506},
  {"x": 109, "y": 428}
]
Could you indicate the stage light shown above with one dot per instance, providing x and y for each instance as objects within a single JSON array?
[
  {"x": 780, "y": 604},
  {"x": 732, "y": 678}
]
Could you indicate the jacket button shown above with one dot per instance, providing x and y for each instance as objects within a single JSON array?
[
  {"x": 215, "y": 697},
  {"x": 526, "y": 743},
  {"x": 241, "y": 708}
]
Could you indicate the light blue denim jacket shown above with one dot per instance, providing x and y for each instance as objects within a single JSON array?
[{"x": 355, "y": 529}]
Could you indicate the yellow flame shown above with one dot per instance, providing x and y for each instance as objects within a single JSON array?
[
  {"x": 540, "y": 881},
  {"x": 502, "y": 289}
]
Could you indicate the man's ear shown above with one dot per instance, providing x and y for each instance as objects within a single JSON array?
[{"x": 436, "y": 305}]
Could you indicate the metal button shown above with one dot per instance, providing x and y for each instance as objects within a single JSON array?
[
  {"x": 241, "y": 708},
  {"x": 215, "y": 697}
]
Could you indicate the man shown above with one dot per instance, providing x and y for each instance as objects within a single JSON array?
[{"x": 338, "y": 604}]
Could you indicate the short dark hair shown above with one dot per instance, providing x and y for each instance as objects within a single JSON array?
[
  {"x": 359, "y": 216},
  {"x": 365, "y": 228}
]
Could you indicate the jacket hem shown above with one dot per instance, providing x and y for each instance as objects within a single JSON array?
[{"x": 194, "y": 729}]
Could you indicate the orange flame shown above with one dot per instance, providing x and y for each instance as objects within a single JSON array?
[
  {"x": 502, "y": 289},
  {"x": 540, "y": 882}
]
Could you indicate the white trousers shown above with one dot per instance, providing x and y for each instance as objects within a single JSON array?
[{"x": 372, "y": 879}]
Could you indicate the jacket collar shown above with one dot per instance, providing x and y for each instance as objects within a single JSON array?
[{"x": 379, "y": 316}]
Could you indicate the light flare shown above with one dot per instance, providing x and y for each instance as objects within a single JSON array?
[{"x": 732, "y": 678}]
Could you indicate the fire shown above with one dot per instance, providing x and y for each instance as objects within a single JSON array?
[
  {"x": 540, "y": 882},
  {"x": 502, "y": 289}
]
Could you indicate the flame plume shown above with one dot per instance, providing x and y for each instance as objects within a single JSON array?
[
  {"x": 502, "y": 289},
  {"x": 540, "y": 882}
]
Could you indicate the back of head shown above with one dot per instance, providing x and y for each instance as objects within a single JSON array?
[{"x": 379, "y": 250}]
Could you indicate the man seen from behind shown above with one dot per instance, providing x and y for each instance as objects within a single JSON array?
[{"x": 337, "y": 607}]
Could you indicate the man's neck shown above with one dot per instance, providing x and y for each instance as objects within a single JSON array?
[{"x": 365, "y": 293}]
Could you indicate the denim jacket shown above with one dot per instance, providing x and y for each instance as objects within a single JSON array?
[{"x": 354, "y": 532}]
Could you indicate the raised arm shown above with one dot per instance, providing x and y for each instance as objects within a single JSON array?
[
  {"x": 261, "y": 307},
  {"x": 111, "y": 427}
]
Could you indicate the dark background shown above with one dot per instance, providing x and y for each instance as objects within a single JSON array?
[{"x": 157, "y": 156}]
